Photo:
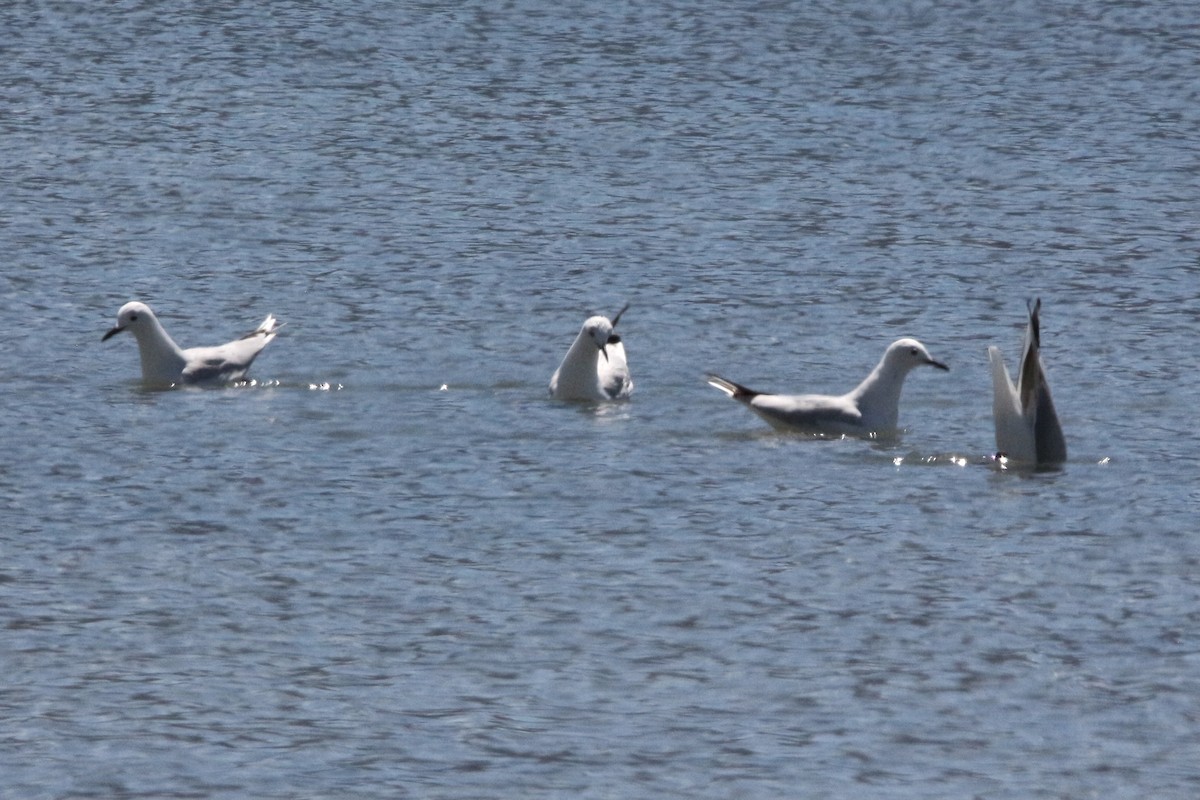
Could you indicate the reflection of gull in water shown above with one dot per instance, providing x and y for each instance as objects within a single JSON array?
[
  {"x": 164, "y": 363},
  {"x": 873, "y": 407},
  {"x": 1027, "y": 428},
  {"x": 595, "y": 367}
]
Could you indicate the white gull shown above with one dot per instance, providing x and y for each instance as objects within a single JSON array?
[
  {"x": 1027, "y": 427},
  {"x": 165, "y": 363},
  {"x": 594, "y": 368},
  {"x": 873, "y": 407}
]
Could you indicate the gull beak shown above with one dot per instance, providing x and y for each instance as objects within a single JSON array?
[
  {"x": 933, "y": 362},
  {"x": 112, "y": 333},
  {"x": 604, "y": 351}
]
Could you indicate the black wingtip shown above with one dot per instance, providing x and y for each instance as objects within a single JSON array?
[
  {"x": 1035, "y": 322},
  {"x": 617, "y": 318},
  {"x": 740, "y": 392}
]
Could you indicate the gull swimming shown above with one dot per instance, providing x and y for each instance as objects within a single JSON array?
[
  {"x": 873, "y": 407},
  {"x": 1027, "y": 427},
  {"x": 165, "y": 363},
  {"x": 594, "y": 368}
]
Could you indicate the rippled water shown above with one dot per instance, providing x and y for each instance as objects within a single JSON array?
[{"x": 349, "y": 581}]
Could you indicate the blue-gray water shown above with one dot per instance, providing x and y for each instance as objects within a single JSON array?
[{"x": 350, "y": 583}]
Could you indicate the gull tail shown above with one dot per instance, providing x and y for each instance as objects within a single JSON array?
[{"x": 734, "y": 390}]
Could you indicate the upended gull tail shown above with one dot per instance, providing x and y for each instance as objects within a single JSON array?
[
  {"x": 871, "y": 408},
  {"x": 165, "y": 363},
  {"x": 1027, "y": 428},
  {"x": 594, "y": 369}
]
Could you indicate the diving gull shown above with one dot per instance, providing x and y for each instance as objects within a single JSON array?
[{"x": 1027, "y": 427}]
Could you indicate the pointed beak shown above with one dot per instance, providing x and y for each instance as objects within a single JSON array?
[
  {"x": 112, "y": 333},
  {"x": 604, "y": 351},
  {"x": 935, "y": 363}
]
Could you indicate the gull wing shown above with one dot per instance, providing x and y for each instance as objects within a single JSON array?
[
  {"x": 615, "y": 380},
  {"x": 230, "y": 361},
  {"x": 1014, "y": 431},
  {"x": 1027, "y": 426},
  {"x": 809, "y": 413},
  {"x": 1050, "y": 445}
]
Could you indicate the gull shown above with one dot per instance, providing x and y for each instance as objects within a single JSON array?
[
  {"x": 595, "y": 367},
  {"x": 165, "y": 363},
  {"x": 1027, "y": 428},
  {"x": 873, "y": 407}
]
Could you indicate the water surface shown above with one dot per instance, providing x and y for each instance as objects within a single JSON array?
[{"x": 349, "y": 581}]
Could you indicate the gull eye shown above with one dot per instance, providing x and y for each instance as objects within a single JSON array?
[
  {"x": 913, "y": 351},
  {"x": 133, "y": 317}
]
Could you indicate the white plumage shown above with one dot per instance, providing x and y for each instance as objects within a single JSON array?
[
  {"x": 165, "y": 363},
  {"x": 594, "y": 368},
  {"x": 873, "y": 407},
  {"x": 1027, "y": 427}
]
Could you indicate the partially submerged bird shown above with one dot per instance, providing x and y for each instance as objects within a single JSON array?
[
  {"x": 873, "y": 407},
  {"x": 594, "y": 368},
  {"x": 165, "y": 363},
  {"x": 1027, "y": 427}
]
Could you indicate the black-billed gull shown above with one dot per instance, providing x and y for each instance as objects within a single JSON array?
[
  {"x": 594, "y": 369},
  {"x": 165, "y": 363},
  {"x": 873, "y": 407},
  {"x": 1027, "y": 427}
]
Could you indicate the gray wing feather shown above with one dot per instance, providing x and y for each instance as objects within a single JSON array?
[
  {"x": 227, "y": 362},
  {"x": 820, "y": 414}
]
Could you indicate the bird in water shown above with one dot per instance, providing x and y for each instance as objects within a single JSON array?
[
  {"x": 165, "y": 363},
  {"x": 594, "y": 368},
  {"x": 1027, "y": 427},
  {"x": 871, "y": 408}
]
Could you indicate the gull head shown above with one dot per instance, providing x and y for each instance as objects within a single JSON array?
[
  {"x": 134, "y": 317},
  {"x": 599, "y": 330},
  {"x": 905, "y": 354}
]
